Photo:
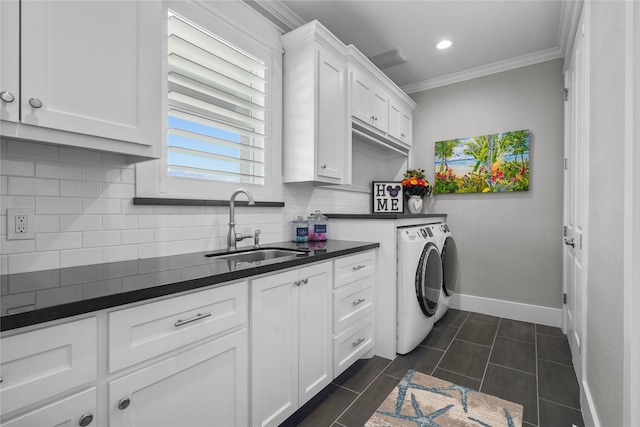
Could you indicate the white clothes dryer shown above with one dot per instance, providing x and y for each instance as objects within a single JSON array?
[
  {"x": 450, "y": 267},
  {"x": 419, "y": 285}
]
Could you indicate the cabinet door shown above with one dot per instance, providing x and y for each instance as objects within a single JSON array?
[
  {"x": 361, "y": 90},
  {"x": 331, "y": 116},
  {"x": 274, "y": 350},
  {"x": 203, "y": 386},
  {"x": 94, "y": 66},
  {"x": 46, "y": 362},
  {"x": 10, "y": 60},
  {"x": 315, "y": 318},
  {"x": 400, "y": 123},
  {"x": 380, "y": 109},
  {"x": 70, "y": 411}
]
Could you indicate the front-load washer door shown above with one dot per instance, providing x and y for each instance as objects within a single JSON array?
[
  {"x": 429, "y": 279},
  {"x": 449, "y": 256}
]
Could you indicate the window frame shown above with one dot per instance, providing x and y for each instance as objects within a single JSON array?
[{"x": 263, "y": 41}]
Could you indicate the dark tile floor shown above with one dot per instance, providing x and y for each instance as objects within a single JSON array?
[{"x": 517, "y": 361}]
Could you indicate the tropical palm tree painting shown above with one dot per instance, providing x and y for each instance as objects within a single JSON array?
[{"x": 483, "y": 164}]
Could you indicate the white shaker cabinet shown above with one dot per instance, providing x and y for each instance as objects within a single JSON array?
[
  {"x": 205, "y": 385},
  {"x": 369, "y": 102},
  {"x": 400, "y": 123},
  {"x": 315, "y": 125},
  {"x": 291, "y": 355},
  {"x": 45, "y": 366},
  {"x": 204, "y": 382},
  {"x": 84, "y": 74}
]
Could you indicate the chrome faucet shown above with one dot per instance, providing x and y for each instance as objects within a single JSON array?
[{"x": 232, "y": 237}]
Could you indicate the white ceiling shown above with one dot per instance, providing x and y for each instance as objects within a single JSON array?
[{"x": 489, "y": 35}]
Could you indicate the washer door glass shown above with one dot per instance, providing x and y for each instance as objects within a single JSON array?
[
  {"x": 429, "y": 279},
  {"x": 449, "y": 257}
]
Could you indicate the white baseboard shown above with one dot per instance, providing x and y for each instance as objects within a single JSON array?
[
  {"x": 589, "y": 414},
  {"x": 508, "y": 309}
]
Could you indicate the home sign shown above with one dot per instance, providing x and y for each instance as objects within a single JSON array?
[{"x": 387, "y": 197}]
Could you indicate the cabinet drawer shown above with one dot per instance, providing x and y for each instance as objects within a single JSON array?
[
  {"x": 140, "y": 333},
  {"x": 41, "y": 364},
  {"x": 352, "y": 344},
  {"x": 66, "y": 412},
  {"x": 354, "y": 267},
  {"x": 352, "y": 303}
]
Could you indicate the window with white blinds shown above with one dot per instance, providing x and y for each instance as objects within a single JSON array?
[{"x": 216, "y": 107}]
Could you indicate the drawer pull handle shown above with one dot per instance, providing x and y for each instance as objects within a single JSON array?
[
  {"x": 358, "y": 342},
  {"x": 85, "y": 420},
  {"x": 358, "y": 267},
  {"x": 193, "y": 319},
  {"x": 124, "y": 403},
  {"x": 360, "y": 301}
]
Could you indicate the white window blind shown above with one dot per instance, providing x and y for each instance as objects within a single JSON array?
[{"x": 216, "y": 107}]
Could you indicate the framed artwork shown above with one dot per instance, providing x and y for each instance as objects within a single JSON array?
[
  {"x": 387, "y": 197},
  {"x": 483, "y": 164}
]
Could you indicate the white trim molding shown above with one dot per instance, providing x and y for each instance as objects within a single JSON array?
[{"x": 547, "y": 316}]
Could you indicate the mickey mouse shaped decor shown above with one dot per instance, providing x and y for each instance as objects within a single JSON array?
[{"x": 387, "y": 197}]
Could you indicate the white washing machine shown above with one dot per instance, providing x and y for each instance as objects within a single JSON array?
[
  {"x": 450, "y": 267},
  {"x": 419, "y": 285}
]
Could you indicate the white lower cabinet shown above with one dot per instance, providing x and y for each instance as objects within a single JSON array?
[
  {"x": 205, "y": 385},
  {"x": 291, "y": 354},
  {"x": 76, "y": 410},
  {"x": 47, "y": 365},
  {"x": 353, "y": 309}
]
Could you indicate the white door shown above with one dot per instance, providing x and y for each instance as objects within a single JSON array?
[{"x": 575, "y": 203}]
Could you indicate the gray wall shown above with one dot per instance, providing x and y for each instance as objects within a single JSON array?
[
  {"x": 509, "y": 244},
  {"x": 604, "y": 326}
]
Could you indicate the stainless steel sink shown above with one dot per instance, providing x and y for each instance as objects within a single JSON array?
[{"x": 257, "y": 255}]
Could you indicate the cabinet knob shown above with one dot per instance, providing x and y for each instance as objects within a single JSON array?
[
  {"x": 85, "y": 420},
  {"x": 7, "y": 96},
  {"x": 323, "y": 166},
  {"x": 305, "y": 281},
  {"x": 35, "y": 103},
  {"x": 298, "y": 282},
  {"x": 124, "y": 403}
]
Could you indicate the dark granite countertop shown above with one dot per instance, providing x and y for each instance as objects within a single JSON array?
[
  {"x": 385, "y": 216},
  {"x": 42, "y": 296}
]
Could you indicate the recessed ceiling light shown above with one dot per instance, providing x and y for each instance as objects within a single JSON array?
[{"x": 444, "y": 44}]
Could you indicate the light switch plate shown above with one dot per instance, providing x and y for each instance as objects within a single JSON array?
[{"x": 21, "y": 223}]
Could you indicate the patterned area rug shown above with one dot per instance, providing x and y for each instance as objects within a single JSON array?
[{"x": 424, "y": 401}]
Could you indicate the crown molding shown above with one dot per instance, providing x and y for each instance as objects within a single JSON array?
[
  {"x": 474, "y": 73},
  {"x": 277, "y": 13}
]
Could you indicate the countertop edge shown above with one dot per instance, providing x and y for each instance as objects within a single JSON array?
[{"x": 48, "y": 314}]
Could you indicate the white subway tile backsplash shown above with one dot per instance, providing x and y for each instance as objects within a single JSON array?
[
  {"x": 92, "y": 239},
  {"x": 80, "y": 156},
  {"x": 16, "y": 246},
  {"x": 119, "y": 253},
  {"x": 33, "y": 150},
  {"x": 119, "y": 222},
  {"x": 80, "y": 222},
  {"x": 167, "y": 234},
  {"x": 101, "y": 174},
  {"x": 17, "y": 166},
  {"x": 77, "y": 257},
  {"x": 85, "y": 213},
  {"x": 36, "y": 261},
  {"x": 49, "y": 169},
  {"x": 118, "y": 191},
  {"x": 101, "y": 206},
  {"x": 58, "y": 205},
  {"x": 58, "y": 241},
  {"x": 22, "y": 186},
  {"x": 80, "y": 189},
  {"x": 137, "y": 236}
]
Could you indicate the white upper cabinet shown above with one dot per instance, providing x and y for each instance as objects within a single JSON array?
[
  {"x": 400, "y": 123},
  {"x": 369, "y": 102},
  {"x": 89, "y": 74},
  {"x": 315, "y": 118}
]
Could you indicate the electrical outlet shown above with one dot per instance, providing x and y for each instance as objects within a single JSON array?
[{"x": 20, "y": 223}]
